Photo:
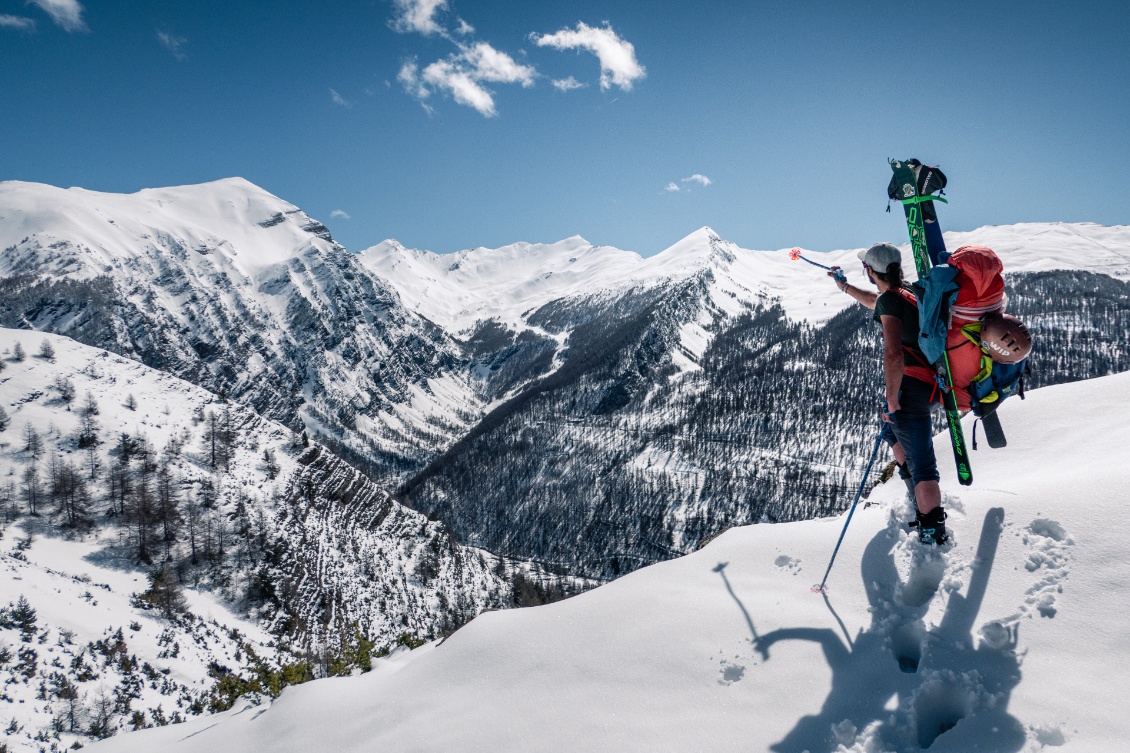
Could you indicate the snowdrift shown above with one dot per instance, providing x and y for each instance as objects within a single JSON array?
[{"x": 1007, "y": 640}]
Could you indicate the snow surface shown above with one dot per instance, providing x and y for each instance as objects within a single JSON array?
[
  {"x": 457, "y": 290},
  {"x": 1009, "y": 639},
  {"x": 82, "y": 586}
]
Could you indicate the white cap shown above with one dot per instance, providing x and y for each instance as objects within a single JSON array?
[{"x": 880, "y": 256}]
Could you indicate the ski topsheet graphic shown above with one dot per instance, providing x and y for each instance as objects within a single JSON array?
[{"x": 915, "y": 205}]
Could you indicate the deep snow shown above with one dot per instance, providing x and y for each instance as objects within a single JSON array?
[{"x": 1010, "y": 639}]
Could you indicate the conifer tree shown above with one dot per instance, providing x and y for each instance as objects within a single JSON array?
[
  {"x": 168, "y": 511},
  {"x": 31, "y": 490},
  {"x": 66, "y": 389},
  {"x": 165, "y": 592},
  {"x": 33, "y": 443},
  {"x": 46, "y": 350},
  {"x": 24, "y": 618}
]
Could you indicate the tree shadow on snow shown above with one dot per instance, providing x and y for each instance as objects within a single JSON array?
[{"x": 900, "y": 686}]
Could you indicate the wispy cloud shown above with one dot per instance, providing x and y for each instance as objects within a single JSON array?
[
  {"x": 418, "y": 16},
  {"x": 462, "y": 75},
  {"x": 65, "y": 13},
  {"x": 174, "y": 44},
  {"x": 618, "y": 63},
  {"x": 17, "y": 22},
  {"x": 698, "y": 178},
  {"x": 464, "y": 28},
  {"x": 339, "y": 214},
  {"x": 567, "y": 84},
  {"x": 339, "y": 100}
]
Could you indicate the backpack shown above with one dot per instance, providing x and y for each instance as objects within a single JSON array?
[{"x": 952, "y": 300}]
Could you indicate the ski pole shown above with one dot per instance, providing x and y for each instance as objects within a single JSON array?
[
  {"x": 796, "y": 254},
  {"x": 819, "y": 589}
]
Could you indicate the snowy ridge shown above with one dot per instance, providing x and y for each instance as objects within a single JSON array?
[
  {"x": 234, "y": 289},
  {"x": 1007, "y": 640},
  {"x": 250, "y": 228},
  {"x": 506, "y": 283}
]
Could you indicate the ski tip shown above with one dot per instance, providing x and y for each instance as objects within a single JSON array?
[{"x": 819, "y": 589}]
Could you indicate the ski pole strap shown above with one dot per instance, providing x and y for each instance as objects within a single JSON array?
[{"x": 923, "y": 199}]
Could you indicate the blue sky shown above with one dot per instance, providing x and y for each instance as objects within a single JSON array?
[{"x": 440, "y": 123}]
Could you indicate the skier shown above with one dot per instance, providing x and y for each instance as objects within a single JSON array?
[{"x": 910, "y": 383}]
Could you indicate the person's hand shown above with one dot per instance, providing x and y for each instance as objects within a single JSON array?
[
  {"x": 837, "y": 274},
  {"x": 893, "y": 407}
]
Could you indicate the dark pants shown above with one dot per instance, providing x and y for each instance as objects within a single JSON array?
[{"x": 913, "y": 429}]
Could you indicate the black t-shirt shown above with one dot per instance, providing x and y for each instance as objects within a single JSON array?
[{"x": 893, "y": 303}]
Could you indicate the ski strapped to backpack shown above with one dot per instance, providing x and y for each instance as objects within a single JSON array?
[
  {"x": 914, "y": 189},
  {"x": 961, "y": 300}
]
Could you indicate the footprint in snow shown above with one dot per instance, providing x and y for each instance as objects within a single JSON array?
[
  {"x": 731, "y": 673},
  {"x": 1049, "y": 556},
  {"x": 787, "y": 564}
]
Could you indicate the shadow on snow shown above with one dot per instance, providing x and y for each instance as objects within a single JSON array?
[{"x": 902, "y": 687}]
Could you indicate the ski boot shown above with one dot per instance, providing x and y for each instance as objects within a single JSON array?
[{"x": 931, "y": 526}]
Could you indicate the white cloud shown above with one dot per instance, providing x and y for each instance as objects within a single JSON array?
[
  {"x": 567, "y": 84},
  {"x": 464, "y": 28},
  {"x": 418, "y": 16},
  {"x": 444, "y": 74},
  {"x": 17, "y": 22},
  {"x": 174, "y": 44},
  {"x": 671, "y": 188},
  {"x": 409, "y": 78},
  {"x": 461, "y": 75},
  {"x": 698, "y": 178},
  {"x": 489, "y": 64},
  {"x": 339, "y": 100},
  {"x": 65, "y": 13},
  {"x": 618, "y": 63},
  {"x": 340, "y": 214}
]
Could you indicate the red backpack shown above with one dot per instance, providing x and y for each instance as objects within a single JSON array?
[{"x": 980, "y": 283}]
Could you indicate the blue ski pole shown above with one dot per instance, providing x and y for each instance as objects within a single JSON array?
[
  {"x": 819, "y": 589},
  {"x": 838, "y": 273}
]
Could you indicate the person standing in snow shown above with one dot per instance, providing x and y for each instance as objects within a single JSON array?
[{"x": 911, "y": 389}]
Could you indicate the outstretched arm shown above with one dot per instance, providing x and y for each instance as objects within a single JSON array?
[{"x": 866, "y": 297}]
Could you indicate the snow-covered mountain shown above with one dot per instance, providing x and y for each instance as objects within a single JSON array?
[
  {"x": 702, "y": 388},
  {"x": 238, "y": 291},
  {"x": 628, "y": 408},
  {"x": 1007, "y": 640},
  {"x": 460, "y": 290},
  {"x": 111, "y": 472}
]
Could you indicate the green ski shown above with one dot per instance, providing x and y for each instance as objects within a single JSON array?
[{"x": 914, "y": 205}]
